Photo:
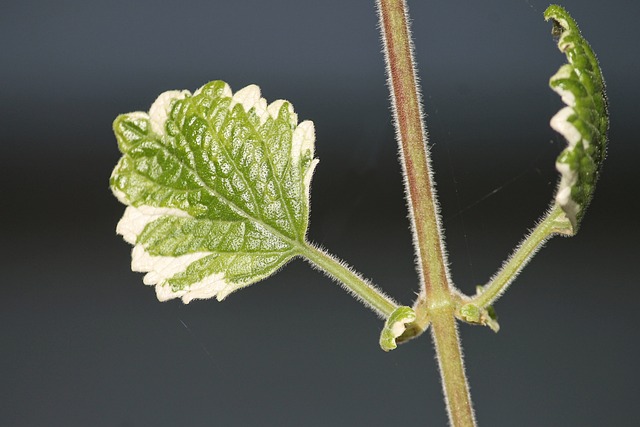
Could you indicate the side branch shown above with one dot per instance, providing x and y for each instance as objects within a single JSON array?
[
  {"x": 554, "y": 222},
  {"x": 370, "y": 295}
]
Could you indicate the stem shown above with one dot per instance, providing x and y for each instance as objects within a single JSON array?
[
  {"x": 437, "y": 301},
  {"x": 554, "y": 222},
  {"x": 373, "y": 297},
  {"x": 454, "y": 382},
  {"x": 412, "y": 138}
]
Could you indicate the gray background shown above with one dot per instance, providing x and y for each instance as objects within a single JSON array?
[{"x": 84, "y": 343}]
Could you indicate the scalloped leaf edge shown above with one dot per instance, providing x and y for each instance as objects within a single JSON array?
[
  {"x": 159, "y": 269},
  {"x": 584, "y": 122}
]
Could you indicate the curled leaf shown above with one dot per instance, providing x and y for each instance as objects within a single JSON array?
[
  {"x": 395, "y": 326},
  {"x": 217, "y": 189},
  {"x": 584, "y": 122},
  {"x": 475, "y": 315}
]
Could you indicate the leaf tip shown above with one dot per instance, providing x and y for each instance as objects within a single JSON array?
[
  {"x": 160, "y": 109},
  {"x": 248, "y": 97}
]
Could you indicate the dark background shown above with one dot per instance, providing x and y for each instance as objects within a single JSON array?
[{"x": 84, "y": 343}]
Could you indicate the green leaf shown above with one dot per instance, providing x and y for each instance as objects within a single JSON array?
[
  {"x": 217, "y": 188},
  {"x": 395, "y": 326},
  {"x": 473, "y": 314},
  {"x": 584, "y": 122}
]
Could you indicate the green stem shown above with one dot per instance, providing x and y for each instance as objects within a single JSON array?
[
  {"x": 437, "y": 300},
  {"x": 554, "y": 222},
  {"x": 360, "y": 287},
  {"x": 454, "y": 382}
]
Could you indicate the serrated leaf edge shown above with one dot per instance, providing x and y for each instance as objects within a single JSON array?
[
  {"x": 561, "y": 121},
  {"x": 159, "y": 269}
]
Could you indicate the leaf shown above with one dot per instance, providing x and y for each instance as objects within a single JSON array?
[
  {"x": 473, "y": 314},
  {"x": 584, "y": 122},
  {"x": 217, "y": 188},
  {"x": 395, "y": 326}
]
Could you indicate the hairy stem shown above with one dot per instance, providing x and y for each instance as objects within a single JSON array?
[
  {"x": 454, "y": 382},
  {"x": 352, "y": 281},
  {"x": 412, "y": 139},
  {"x": 438, "y": 295},
  {"x": 554, "y": 222}
]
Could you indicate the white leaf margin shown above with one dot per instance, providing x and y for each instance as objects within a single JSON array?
[
  {"x": 561, "y": 124},
  {"x": 159, "y": 269}
]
